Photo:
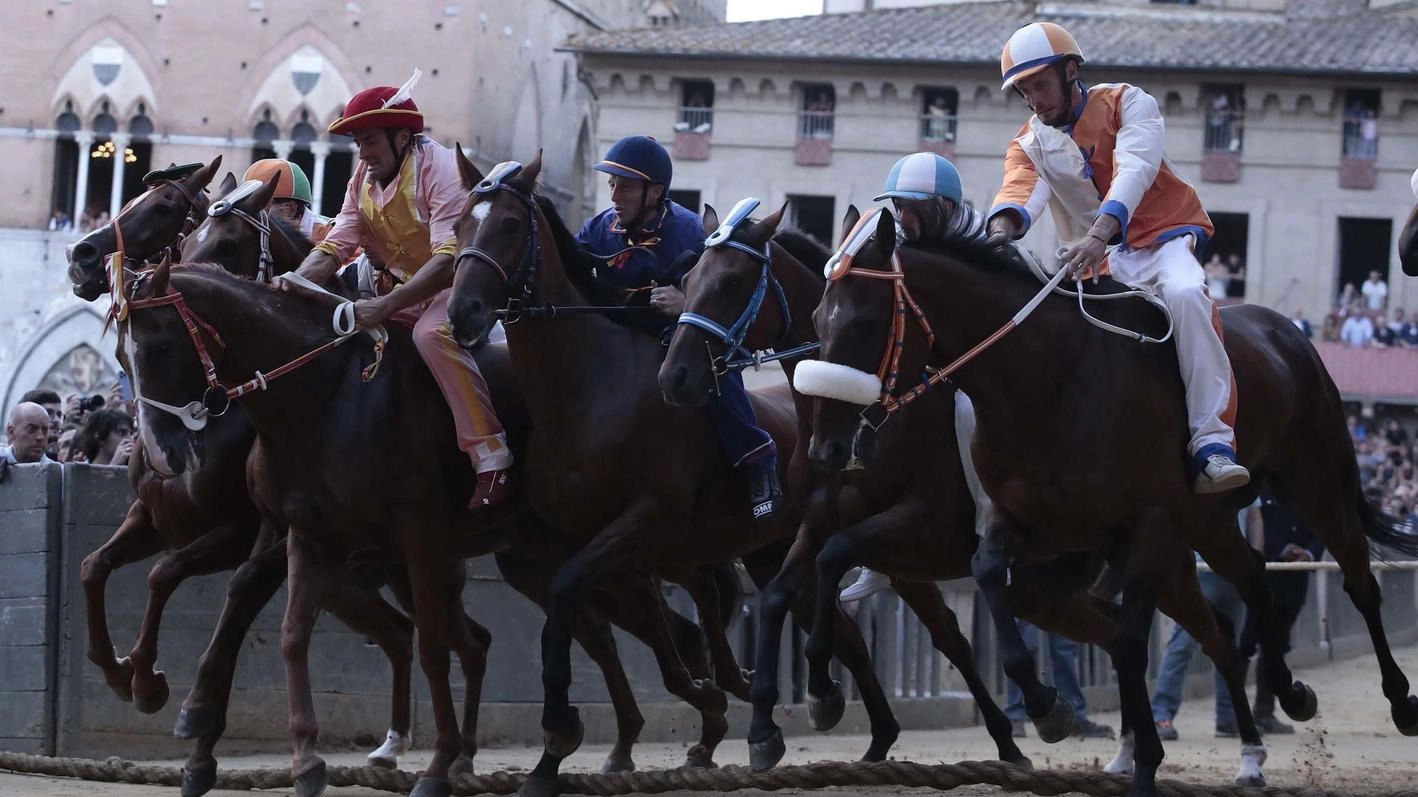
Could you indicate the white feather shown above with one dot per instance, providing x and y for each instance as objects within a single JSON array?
[
  {"x": 836, "y": 381},
  {"x": 406, "y": 91}
]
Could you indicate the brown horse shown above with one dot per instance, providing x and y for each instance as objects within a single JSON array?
[
  {"x": 1083, "y": 451},
  {"x": 242, "y": 241},
  {"x": 151, "y": 223},
  {"x": 639, "y": 485},
  {"x": 1408, "y": 240}
]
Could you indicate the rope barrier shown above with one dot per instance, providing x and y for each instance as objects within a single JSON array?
[{"x": 904, "y": 774}]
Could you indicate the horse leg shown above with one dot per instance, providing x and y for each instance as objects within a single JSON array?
[
  {"x": 437, "y": 584},
  {"x": 929, "y": 605},
  {"x": 1052, "y": 715},
  {"x": 134, "y": 540},
  {"x": 203, "y": 714},
  {"x": 1157, "y": 554},
  {"x": 366, "y": 612},
  {"x": 703, "y": 589},
  {"x": 1187, "y": 602},
  {"x": 765, "y": 739},
  {"x": 222, "y": 548},
  {"x": 307, "y": 579},
  {"x": 473, "y": 642},
  {"x": 833, "y": 631}
]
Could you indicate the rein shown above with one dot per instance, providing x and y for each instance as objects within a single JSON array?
[{"x": 217, "y": 398}]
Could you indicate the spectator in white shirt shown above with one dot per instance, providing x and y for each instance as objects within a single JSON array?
[
  {"x": 1357, "y": 331},
  {"x": 1375, "y": 291}
]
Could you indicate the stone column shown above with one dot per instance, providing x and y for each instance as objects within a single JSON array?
[
  {"x": 321, "y": 150},
  {"x": 282, "y": 149},
  {"x": 85, "y": 140},
  {"x": 115, "y": 196}
]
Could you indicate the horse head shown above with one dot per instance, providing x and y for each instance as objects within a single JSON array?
[
  {"x": 150, "y": 223},
  {"x": 853, "y": 321},
  {"x": 1408, "y": 238},
  {"x": 233, "y": 232},
  {"x": 728, "y": 291},
  {"x": 499, "y": 244}
]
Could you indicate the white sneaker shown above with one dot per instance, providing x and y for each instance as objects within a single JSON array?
[
  {"x": 1221, "y": 474},
  {"x": 869, "y": 582}
]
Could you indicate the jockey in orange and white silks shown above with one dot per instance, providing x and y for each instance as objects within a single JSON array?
[
  {"x": 400, "y": 205},
  {"x": 1094, "y": 157}
]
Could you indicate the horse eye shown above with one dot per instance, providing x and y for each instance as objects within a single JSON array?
[{"x": 511, "y": 224}]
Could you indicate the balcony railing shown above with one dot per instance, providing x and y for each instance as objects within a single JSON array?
[
  {"x": 695, "y": 119},
  {"x": 1361, "y": 138},
  {"x": 1225, "y": 131},
  {"x": 938, "y": 127},
  {"x": 815, "y": 124}
]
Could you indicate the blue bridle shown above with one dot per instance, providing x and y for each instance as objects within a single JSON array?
[{"x": 735, "y": 355}]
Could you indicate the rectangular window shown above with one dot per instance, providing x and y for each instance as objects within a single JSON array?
[
  {"x": 938, "y": 113},
  {"x": 696, "y": 107},
  {"x": 1361, "y": 123},
  {"x": 1226, "y": 256},
  {"x": 814, "y": 215},
  {"x": 686, "y": 197},
  {"x": 1225, "y": 117},
  {"x": 818, "y": 105},
  {"x": 1364, "y": 246}
]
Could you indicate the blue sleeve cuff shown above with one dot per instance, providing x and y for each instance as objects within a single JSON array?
[
  {"x": 1118, "y": 211},
  {"x": 1018, "y": 208}
]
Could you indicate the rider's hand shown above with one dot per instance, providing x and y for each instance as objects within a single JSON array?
[
  {"x": 371, "y": 313},
  {"x": 1294, "y": 553},
  {"x": 667, "y": 299},
  {"x": 1082, "y": 257}
]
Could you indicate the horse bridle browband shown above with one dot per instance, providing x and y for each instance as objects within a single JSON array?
[{"x": 734, "y": 354}]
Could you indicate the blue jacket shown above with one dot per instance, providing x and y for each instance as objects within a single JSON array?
[{"x": 674, "y": 231}]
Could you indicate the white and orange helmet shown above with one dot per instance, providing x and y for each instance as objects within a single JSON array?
[{"x": 1034, "y": 47}]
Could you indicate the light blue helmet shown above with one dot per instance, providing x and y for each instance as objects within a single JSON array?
[{"x": 922, "y": 175}]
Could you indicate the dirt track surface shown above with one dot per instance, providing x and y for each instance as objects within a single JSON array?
[{"x": 1351, "y": 747}]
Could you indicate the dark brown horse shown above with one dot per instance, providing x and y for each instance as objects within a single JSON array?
[
  {"x": 241, "y": 235},
  {"x": 640, "y": 485},
  {"x": 1080, "y": 439},
  {"x": 1408, "y": 240},
  {"x": 151, "y": 223}
]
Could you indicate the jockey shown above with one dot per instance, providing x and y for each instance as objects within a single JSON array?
[
  {"x": 400, "y": 205},
  {"x": 1095, "y": 156},
  {"x": 648, "y": 241},
  {"x": 292, "y": 201},
  {"x": 928, "y": 200}
]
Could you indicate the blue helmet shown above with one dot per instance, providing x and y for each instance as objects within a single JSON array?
[
  {"x": 922, "y": 175},
  {"x": 638, "y": 157}
]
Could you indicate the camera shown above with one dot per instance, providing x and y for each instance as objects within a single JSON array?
[{"x": 91, "y": 403}]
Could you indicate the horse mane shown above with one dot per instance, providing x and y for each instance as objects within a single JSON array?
[
  {"x": 293, "y": 234},
  {"x": 976, "y": 252},
  {"x": 580, "y": 267},
  {"x": 807, "y": 249}
]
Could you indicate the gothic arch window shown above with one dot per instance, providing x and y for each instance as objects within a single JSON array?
[
  {"x": 265, "y": 134},
  {"x": 66, "y": 165},
  {"x": 302, "y": 135}
]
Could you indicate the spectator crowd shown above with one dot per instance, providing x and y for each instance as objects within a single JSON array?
[{"x": 42, "y": 427}]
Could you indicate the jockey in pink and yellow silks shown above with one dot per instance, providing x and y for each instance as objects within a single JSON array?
[
  {"x": 1094, "y": 156},
  {"x": 400, "y": 205}
]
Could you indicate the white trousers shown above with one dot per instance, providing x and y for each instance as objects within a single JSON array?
[
  {"x": 1171, "y": 272},
  {"x": 964, "y": 433}
]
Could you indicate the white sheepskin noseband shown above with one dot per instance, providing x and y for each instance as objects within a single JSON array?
[{"x": 835, "y": 381}]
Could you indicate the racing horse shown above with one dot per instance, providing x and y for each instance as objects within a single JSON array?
[
  {"x": 640, "y": 485},
  {"x": 1080, "y": 441}
]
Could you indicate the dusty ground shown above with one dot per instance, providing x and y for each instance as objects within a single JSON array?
[{"x": 1351, "y": 746}]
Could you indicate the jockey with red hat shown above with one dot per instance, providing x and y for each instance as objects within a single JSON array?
[{"x": 401, "y": 205}]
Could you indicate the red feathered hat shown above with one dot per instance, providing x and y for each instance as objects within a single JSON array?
[{"x": 381, "y": 106}]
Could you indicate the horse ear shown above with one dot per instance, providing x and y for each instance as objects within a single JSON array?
[
  {"x": 470, "y": 174},
  {"x": 228, "y": 185},
  {"x": 770, "y": 224},
  {"x": 711, "y": 219},
  {"x": 849, "y": 221},
  {"x": 886, "y": 232},
  {"x": 201, "y": 178},
  {"x": 260, "y": 199},
  {"x": 531, "y": 171},
  {"x": 158, "y": 284}
]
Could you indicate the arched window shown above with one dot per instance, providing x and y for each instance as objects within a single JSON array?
[
  {"x": 265, "y": 134},
  {"x": 66, "y": 169},
  {"x": 302, "y": 135}
]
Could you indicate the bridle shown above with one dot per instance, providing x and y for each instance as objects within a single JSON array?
[
  {"x": 261, "y": 222},
  {"x": 217, "y": 397},
  {"x": 189, "y": 222},
  {"x": 522, "y": 283},
  {"x": 734, "y": 355}
]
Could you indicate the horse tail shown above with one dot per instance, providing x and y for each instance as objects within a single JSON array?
[
  {"x": 1384, "y": 530},
  {"x": 731, "y": 594}
]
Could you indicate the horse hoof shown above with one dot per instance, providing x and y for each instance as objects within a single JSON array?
[
  {"x": 193, "y": 723},
  {"x": 150, "y": 700},
  {"x": 1056, "y": 725},
  {"x": 1122, "y": 763},
  {"x": 1405, "y": 716},
  {"x": 617, "y": 762},
  {"x": 462, "y": 766},
  {"x": 561, "y": 745},
  {"x": 200, "y": 780},
  {"x": 539, "y": 786},
  {"x": 312, "y": 782},
  {"x": 1308, "y": 704},
  {"x": 1257, "y": 780},
  {"x": 823, "y": 713},
  {"x": 120, "y": 679},
  {"x": 766, "y": 754},
  {"x": 432, "y": 787},
  {"x": 1020, "y": 760},
  {"x": 699, "y": 757},
  {"x": 387, "y": 754}
]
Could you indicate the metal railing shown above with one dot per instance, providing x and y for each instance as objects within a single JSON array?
[
  {"x": 695, "y": 119},
  {"x": 1361, "y": 137},
  {"x": 815, "y": 124},
  {"x": 1225, "y": 132},
  {"x": 938, "y": 127}
]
